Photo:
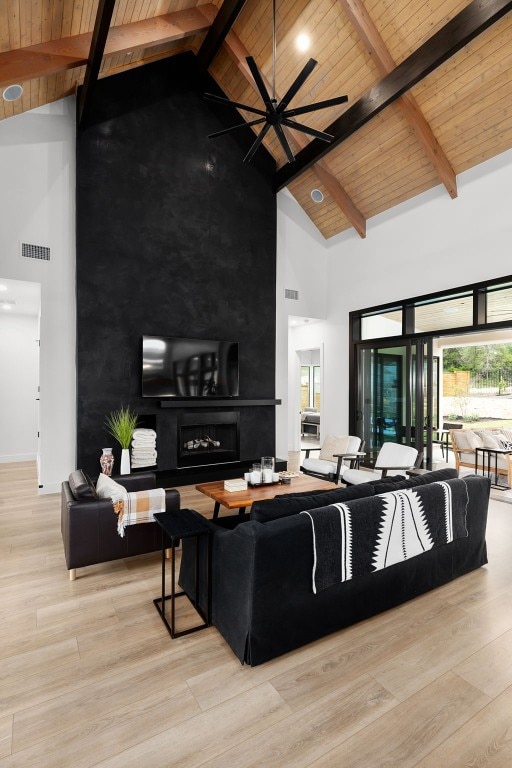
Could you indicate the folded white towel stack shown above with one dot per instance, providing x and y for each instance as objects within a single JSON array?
[{"x": 143, "y": 447}]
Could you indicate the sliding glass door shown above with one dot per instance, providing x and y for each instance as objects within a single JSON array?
[{"x": 394, "y": 395}]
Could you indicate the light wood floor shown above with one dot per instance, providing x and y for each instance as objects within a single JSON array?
[{"x": 90, "y": 677}]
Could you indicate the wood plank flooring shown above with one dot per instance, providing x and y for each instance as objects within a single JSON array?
[{"x": 90, "y": 677}]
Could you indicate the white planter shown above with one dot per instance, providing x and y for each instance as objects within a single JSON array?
[{"x": 125, "y": 461}]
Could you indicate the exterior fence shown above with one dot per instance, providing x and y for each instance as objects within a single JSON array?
[{"x": 459, "y": 383}]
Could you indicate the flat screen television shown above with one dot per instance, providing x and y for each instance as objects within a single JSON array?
[{"x": 175, "y": 367}]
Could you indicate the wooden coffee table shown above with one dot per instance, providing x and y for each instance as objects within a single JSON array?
[{"x": 242, "y": 499}]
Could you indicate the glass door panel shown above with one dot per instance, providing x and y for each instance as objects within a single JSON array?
[{"x": 393, "y": 384}]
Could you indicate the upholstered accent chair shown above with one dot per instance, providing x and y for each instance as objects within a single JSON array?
[
  {"x": 392, "y": 456},
  {"x": 337, "y": 454}
]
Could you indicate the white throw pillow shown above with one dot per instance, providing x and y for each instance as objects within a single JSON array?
[
  {"x": 332, "y": 445},
  {"x": 106, "y": 488},
  {"x": 474, "y": 441},
  {"x": 488, "y": 439}
]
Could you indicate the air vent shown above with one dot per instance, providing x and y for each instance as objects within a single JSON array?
[
  {"x": 289, "y": 293},
  {"x": 39, "y": 252}
]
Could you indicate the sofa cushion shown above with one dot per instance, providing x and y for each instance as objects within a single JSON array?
[
  {"x": 400, "y": 483},
  {"x": 320, "y": 466},
  {"x": 293, "y": 503},
  {"x": 460, "y": 437},
  {"x": 81, "y": 486}
]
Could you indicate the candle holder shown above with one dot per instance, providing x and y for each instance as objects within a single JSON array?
[
  {"x": 256, "y": 474},
  {"x": 267, "y": 469}
]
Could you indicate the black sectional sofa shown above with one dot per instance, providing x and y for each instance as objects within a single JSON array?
[{"x": 262, "y": 598}]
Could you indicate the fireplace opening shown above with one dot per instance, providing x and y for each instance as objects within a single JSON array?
[{"x": 208, "y": 438}]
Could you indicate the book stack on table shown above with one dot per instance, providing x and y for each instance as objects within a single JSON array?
[{"x": 238, "y": 484}]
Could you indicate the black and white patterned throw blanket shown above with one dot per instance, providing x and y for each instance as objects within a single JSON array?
[{"x": 366, "y": 535}]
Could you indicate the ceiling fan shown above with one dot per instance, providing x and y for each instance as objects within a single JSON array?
[{"x": 276, "y": 114}]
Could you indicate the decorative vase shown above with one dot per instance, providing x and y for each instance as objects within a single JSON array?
[
  {"x": 125, "y": 461},
  {"x": 107, "y": 461}
]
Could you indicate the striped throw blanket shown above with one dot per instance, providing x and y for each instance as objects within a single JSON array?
[
  {"x": 366, "y": 535},
  {"x": 139, "y": 507}
]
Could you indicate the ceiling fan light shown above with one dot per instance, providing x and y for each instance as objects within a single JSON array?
[{"x": 12, "y": 92}]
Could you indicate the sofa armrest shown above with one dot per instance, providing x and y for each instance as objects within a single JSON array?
[
  {"x": 172, "y": 500},
  {"x": 308, "y": 451}
]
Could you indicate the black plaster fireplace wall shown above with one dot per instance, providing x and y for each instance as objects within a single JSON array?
[{"x": 175, "y": 236}]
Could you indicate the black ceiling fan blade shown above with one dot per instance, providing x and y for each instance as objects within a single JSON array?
[
  {"x": 314, "y": 107},
  {"x": 222, "y": 100},
  {"x": 297, "y": 84},
  {"x": 235, "y": 127},
  {"x": 260, "y": 85},
  {"x": 284, "y": 143},
  {"x": 249, "y": 156},
  {"x": 305, "y": 129}
]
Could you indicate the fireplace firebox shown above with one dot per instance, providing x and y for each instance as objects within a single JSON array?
[{"x": 208, "y": 438}]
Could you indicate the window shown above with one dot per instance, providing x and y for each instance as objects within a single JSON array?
[
  {"x": 309, "y": 386},
  {"x": 455, "y": 311},
  {"x": 499, "y": 303},
  {"x": 381, "y": 324}
]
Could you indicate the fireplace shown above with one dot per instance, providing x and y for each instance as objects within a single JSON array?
[{"x": 208, "y": 438}]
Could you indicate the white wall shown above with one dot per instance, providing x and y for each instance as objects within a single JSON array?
[
  {"x": 302, "y": 265},
  {"x": 37, "y": 201},
  {"x": 19, "y": 379},
  {"x": 428, "y": 244}
]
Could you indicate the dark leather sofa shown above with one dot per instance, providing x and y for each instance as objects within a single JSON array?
[
  {"x": 89, "y": 524},
  {"x": 262, "y": 598}
]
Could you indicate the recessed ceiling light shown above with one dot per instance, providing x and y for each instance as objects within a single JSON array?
[
  {"x": 12, "y": 92},
  {"x": 6, "y": 306},
  {"x": 3, "y": 287},
  {"x": 317, "y": 196},
  {"x": 303, "y": 42}
]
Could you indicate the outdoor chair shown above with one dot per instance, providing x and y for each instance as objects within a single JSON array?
[
  {"x": 337, "y": 455},
  {"x": 444, "y": 436},
  {"x": 392, "y": 456}
]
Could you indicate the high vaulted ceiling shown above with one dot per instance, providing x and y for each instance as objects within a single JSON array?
[{"x": 429, "y": 83}]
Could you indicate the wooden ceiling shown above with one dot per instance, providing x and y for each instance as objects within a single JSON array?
[{"x": 393, "y": 141}]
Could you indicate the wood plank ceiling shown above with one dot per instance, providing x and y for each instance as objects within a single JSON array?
[{"x": 454, "y": 118}]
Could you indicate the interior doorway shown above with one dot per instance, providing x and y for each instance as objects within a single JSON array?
[{"x": 20, "y": 310}]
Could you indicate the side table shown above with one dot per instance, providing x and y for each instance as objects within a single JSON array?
[
  {"x": 488, "y": 469},
  {"x": 175, "y": 526}
]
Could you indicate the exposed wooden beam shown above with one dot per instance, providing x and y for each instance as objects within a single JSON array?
[
  {"x": 377, "y": 49},
  {"x": 238, "y": 53},
  {"x": 478, "y": 16},
  {"x": 57, "y": 56},
  {"x": 99, "y": 38},
  {"x": 216, "y": 35}
]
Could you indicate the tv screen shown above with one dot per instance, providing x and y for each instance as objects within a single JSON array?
[{"x": 174, "y": 367}]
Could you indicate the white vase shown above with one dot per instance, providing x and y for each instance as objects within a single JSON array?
[{"x": 125, "y": 461}]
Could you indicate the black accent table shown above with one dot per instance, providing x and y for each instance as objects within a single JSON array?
[
  {"x": 488, "y": 460},
  {"x": 183, "y": 524}
]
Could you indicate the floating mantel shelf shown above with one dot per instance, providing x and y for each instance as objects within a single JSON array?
[{"x": 212, "y": 403}]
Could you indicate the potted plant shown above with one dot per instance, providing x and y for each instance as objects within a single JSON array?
[{"x": 121, "y": 424}]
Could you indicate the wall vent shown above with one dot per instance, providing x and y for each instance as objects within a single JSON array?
[
  {"x": 289, "y": 293},
  {"x": 39, "y": 252}
]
